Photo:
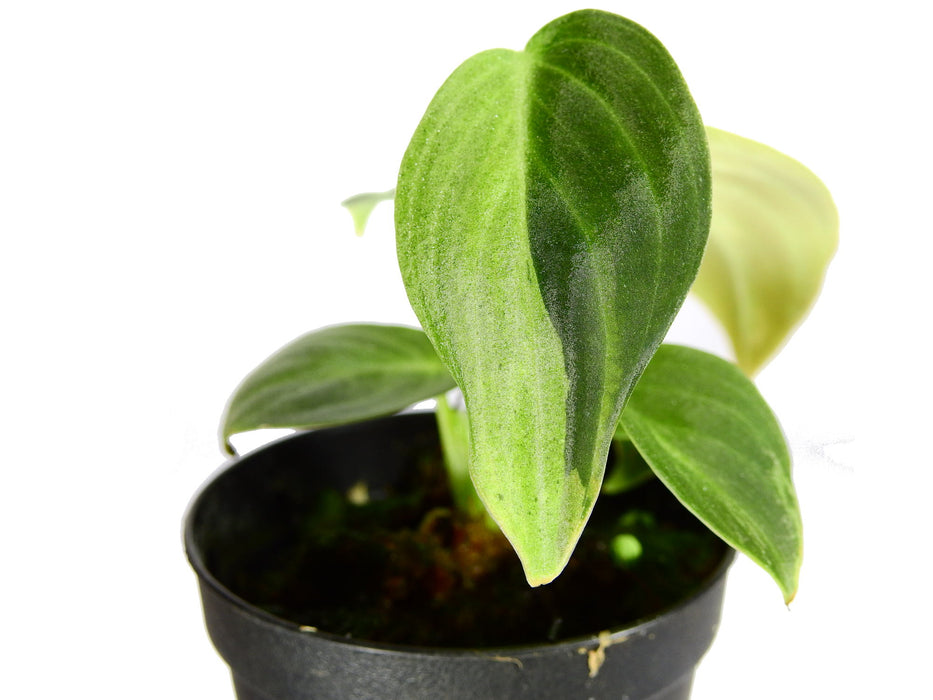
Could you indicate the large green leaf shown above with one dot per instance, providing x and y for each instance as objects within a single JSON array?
[
  {"x": 708, "y": 434},
  {"x": 551, "y": 213},
  {"x": 773, "y": 234},
  {"x": 337, "y": 375}
]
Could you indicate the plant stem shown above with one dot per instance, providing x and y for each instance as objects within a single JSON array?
[
  {"x": 454, "y": 429},
  {"x": 627, "y": 470}
]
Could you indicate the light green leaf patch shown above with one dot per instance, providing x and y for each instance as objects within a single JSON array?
[
  {"x": 774, "y": 231},
  {"x": 551, "y": 213},
  {"x": 337, "y": 375},
  {"x": 708, "y": 434}
]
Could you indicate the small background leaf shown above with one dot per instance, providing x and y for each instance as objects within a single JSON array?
[
  {"x": 338, "y": 375},
  {"x": 710, "y": 437},
  {"x": 361, "y": 206},
  {"x": 773, "y": 233}
]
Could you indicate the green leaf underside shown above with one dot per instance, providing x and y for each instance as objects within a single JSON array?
[
  {"x": 708, "y": 434},
  {"x": 773, "y": 233},
  {"x": 338, "y": 375},
  {"x": 551, "y": 213}
]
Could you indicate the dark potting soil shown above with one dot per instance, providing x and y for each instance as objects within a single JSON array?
[{"x": 405, "y": 568}]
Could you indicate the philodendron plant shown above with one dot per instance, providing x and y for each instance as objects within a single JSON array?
[{"x": 552, "y": 212}]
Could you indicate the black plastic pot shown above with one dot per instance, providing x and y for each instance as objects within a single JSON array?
[{"x": 275, "y": 659}]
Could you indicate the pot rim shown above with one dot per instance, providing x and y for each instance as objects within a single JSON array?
[{"x": 639, "y": 627}]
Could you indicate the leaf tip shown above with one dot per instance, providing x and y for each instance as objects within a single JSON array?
[
  {"x": 536, "y": 581},
  {"x": 541, "y": 573},
  {"x": 790, "y": 591},
  {"x": 225, "y": 445},
  {"x": 359, "y": 218},
  {"x": 790, "y": 583}
]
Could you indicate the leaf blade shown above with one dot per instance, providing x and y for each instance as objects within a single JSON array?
[
  {"x": 336, "y": 375},
  {"x": 710, "y": 437},
  {"x": 773, "y": 234},
  {"x": 529, "y": 210}
]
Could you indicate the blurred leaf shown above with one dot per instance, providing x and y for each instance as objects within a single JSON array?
[
  {"x": 361, "y": 206},
  {"x": 774, "y": 231}
]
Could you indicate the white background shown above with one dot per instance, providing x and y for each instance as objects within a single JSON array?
[{"x": 170, "y": 174}]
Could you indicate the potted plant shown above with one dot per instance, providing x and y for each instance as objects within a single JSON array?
[{"x": 552, "y": 212}]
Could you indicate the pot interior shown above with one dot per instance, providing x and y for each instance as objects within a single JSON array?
[{"x": 351, "y": 531}]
